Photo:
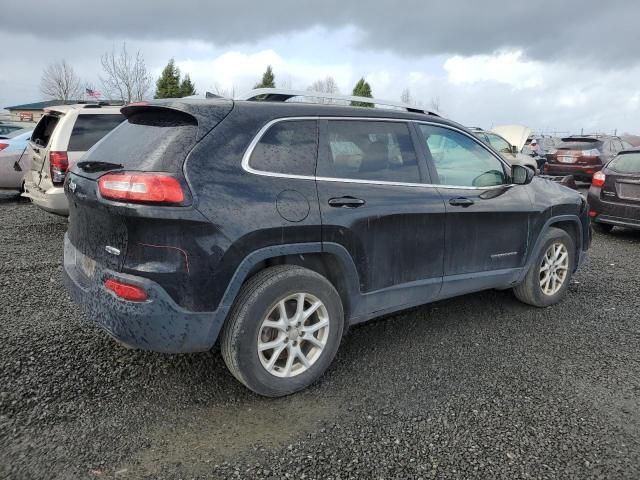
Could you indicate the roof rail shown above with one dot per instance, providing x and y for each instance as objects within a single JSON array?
[{"x": 282, "y": 95}]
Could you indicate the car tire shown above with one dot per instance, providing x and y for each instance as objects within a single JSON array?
[
  {"x": 602, "y": 227},
  {"x": 540, "y": 287},
  {"x": 257, "y": 321}
]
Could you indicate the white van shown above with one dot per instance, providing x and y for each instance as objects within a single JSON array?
[{"x": 62, "y": 136}]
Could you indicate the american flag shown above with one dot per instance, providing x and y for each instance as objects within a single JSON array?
[{"x": 92, "y": 93}]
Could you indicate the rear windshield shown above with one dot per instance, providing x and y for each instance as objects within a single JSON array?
[
  {"x": 155, "y": 139},
  {"x": 89, "y": 129},
  {"x": 580, "y": 140},
  {"x": 626, "y": 163},
  {"x": 579, "y": 144},
  {"x": 44, "y": 129}
]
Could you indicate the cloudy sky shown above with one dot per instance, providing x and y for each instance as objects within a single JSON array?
[{"x": 554, "y": 66}]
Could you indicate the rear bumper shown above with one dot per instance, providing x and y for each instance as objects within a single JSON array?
[
  {"x": 614, "y": 213},
  {"x": 582, "y": 172},
  {"x": 52, "y": 200},
  {"x": 157, "y": 324}
]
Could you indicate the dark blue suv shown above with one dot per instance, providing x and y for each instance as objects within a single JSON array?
[{"x": 270, "y": 227}]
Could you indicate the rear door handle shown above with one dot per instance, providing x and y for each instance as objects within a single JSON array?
[
  {"x": 346, "y": 202},
  {"x": 461, "y": 202}
]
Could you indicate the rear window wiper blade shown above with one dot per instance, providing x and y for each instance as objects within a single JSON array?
[{"x": 89, "y": 166}]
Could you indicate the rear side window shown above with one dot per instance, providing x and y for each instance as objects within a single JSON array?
[
  {"x": 370, "y": 150},
  {"x": 43, "y": 131},
  {"x": 626, "y": 163},
  {"x": 288, "y": 147},
  {"x": 89, "y": 129}
]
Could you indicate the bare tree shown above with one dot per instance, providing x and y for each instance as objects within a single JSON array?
[
  {"x": 284, "y": 83},
  {"x": 435, "y": 104},
  {"x": 224, "y": 92},
  {"x": 325, "y": 85},
  {"x": 405, "y": 96},
  {"x": 125, "y": 76},
  {"x": 59, "y": 81}
]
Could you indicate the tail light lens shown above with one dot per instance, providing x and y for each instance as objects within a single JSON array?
[
  {"x": 3, "y": 146},
  {"x": 594, "y": 152},
  {"x": 126, "y": 291},
  {"x": 598, "y": 179},
  {"x": 58, "y": 165},
  {"x": 141, "y": 188}
]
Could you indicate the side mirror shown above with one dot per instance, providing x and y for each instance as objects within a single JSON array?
[
  {"x": 521, "y": 175},
  {"x": 514, "y": 149}
]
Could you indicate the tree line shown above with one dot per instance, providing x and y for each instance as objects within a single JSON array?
[{"x": 125, "y": 77}]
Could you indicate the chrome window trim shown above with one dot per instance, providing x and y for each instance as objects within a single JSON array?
[{"x": 247, "y": 155}]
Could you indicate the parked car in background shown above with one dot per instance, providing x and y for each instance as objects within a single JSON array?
[
  {"x": 633, "y": 140},
  {"x": 275, "y": 226},
  {"x": 508, "y": 141},
  {"x": 15, "y": 133},
  {"x": 13, "y": 164},
  {"x": 614, "y": 196},
  {"x": 583, "y": 155},
  {"x": 7, "y": 128},
  {"x": 62, "y": 136},
  {"x": 539, "y": 146}
]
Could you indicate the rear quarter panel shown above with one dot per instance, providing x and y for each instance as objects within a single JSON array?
[
  {"x": 242, "y": 205},
  {"x": 9, "y": 177}
]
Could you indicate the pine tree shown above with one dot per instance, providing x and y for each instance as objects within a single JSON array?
[
  {"x": 362, "y": 89},
  {"x": 168, "y": 85},
  {"x": 268, "y": 79},
  {"x": 187, "y": 87}
]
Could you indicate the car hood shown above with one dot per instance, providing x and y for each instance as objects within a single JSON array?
[{"x": 514, "y": 134}]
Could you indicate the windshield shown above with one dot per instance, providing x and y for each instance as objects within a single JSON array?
[
  {"x": 499, "y": 143},
  {"x": 626, "y": 163}
]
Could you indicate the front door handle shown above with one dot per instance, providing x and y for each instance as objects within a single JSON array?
[
  {"x": 346, "y": 202},
  {"x": 461, "y": 202}
]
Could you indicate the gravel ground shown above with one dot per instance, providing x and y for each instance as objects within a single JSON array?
[{"x": 480, "y": 386}]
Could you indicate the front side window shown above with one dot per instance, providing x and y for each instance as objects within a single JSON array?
[
  {"x": 460, "y": 160},
  {"x": 89, "y": 129},
  {"x": 288, "y": 147},
  {"x": 370, "y": 150}
]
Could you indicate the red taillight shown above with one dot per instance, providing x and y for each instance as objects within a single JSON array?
[
  {"x": 126, "y": 291},
  {"x": 598, "y": 179},
  {"x": 141, "y": 188},
  {"x": 593, "y": 213},
  {"x": 58, "y": 165},
  {"x": 3, "y": 146}
]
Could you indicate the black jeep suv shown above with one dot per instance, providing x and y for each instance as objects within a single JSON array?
[{"x": 274, "y": 226}]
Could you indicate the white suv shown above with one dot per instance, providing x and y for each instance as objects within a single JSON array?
[{"x": 62, "y": 136}]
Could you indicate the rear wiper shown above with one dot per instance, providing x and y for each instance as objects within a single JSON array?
[{"x": 89, "y": 166}]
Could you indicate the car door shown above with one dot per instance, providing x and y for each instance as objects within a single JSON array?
[
  {"x": 373, "y": 204},
  {"x": 487, "y": 219}
]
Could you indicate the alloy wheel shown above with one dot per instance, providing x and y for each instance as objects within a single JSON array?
[
  {"x": 554, "y": 268},
  {"x": 293, "y": 335}
]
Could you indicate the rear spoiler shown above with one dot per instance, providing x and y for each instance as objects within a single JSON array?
[{"x": 205, "y": 113}]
